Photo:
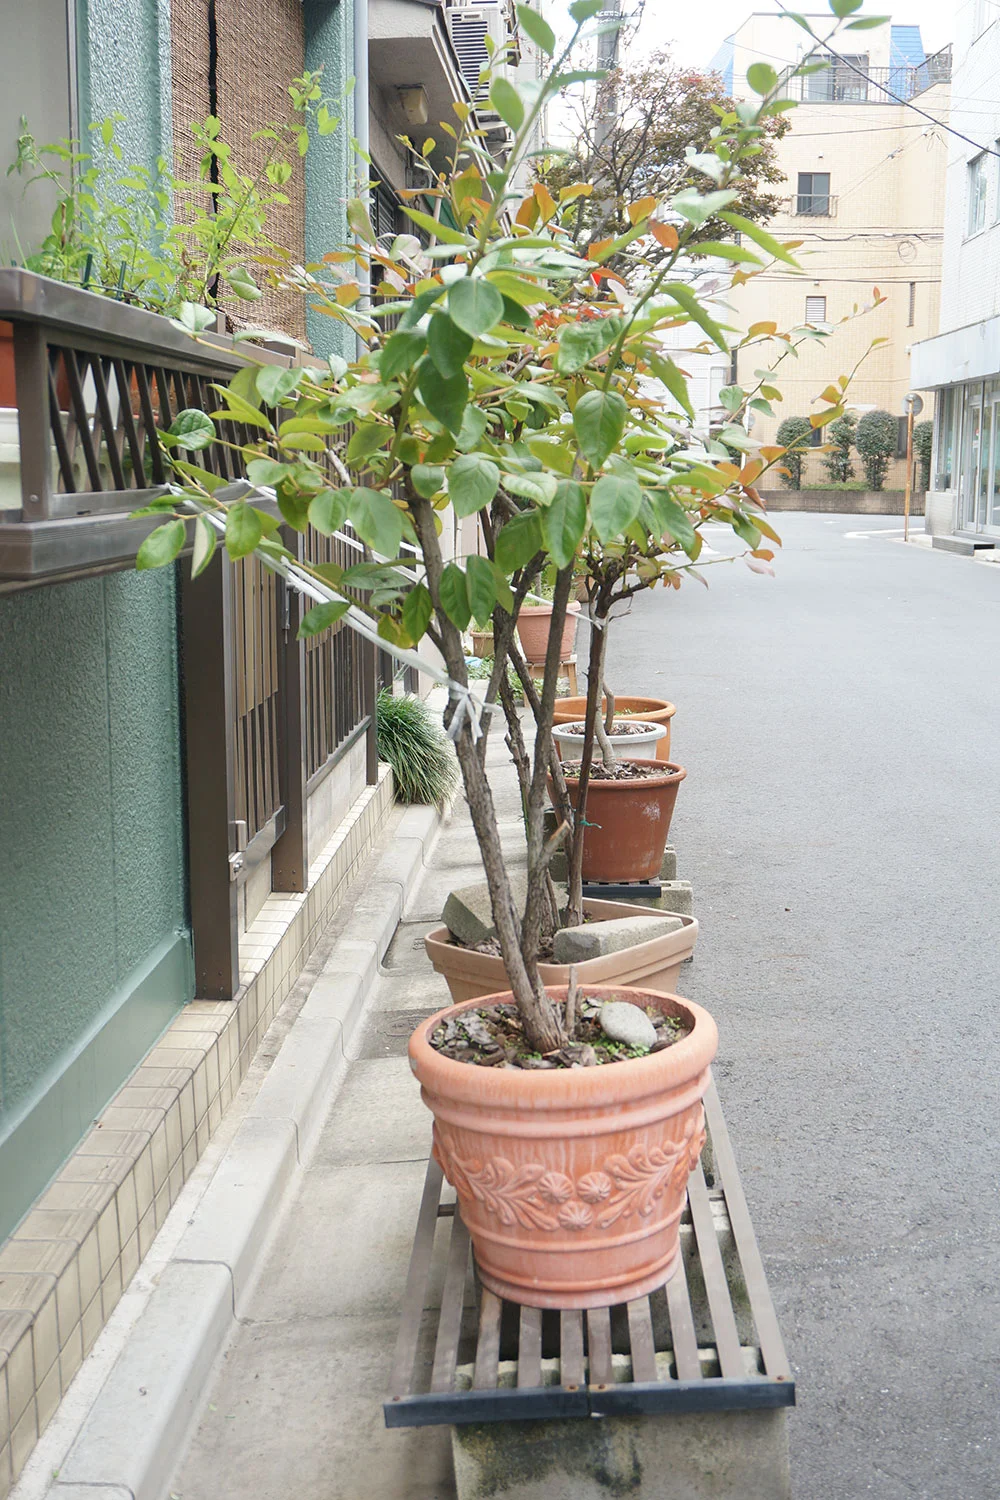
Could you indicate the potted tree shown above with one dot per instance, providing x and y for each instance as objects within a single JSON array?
[{"x": 566, "y": 1117}]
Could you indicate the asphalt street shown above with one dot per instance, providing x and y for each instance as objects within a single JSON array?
[{"x": 839, "y": 725}]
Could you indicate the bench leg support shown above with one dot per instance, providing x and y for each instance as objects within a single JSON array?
[{"x": 733, "y": 1455}]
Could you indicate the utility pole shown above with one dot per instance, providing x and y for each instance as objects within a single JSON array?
[{"x": 607, "y": 60}]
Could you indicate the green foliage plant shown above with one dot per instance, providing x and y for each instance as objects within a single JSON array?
[
  {"x": 507, "y": 377},
  {"x": 923, "y": 441},
  {"x": 876, "y": 439},
  {"x": 416, "y": 747},
  {"x": 840, "y": 440},
  {"x": 795, "y": 435}
]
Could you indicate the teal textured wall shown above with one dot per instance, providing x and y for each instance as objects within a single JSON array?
[
  {"x": 330, "y": 164},
  {"x": 123, "y": 67},
  {"x": 94, "y": 948}
]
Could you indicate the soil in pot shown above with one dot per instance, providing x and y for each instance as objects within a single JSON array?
[
  {"x": 654, "y": 710},
  {"x": 493, "y": 1036},
  {"x": 629, "y": 808},
  {"x": 572, "y": 1180}
]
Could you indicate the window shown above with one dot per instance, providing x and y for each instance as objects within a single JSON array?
[
  {"x": 946, "y": 426},
  {"x": 911, "y": 316},
  {"x": 977, "y": 193},
  {"x": 815, "y": 310},
  {"x": 813, "y": 195},
  {"x": 843, "y": 79}
]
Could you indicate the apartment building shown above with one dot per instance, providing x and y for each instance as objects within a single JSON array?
[
  {"x": 865, "y": 179},
  {"x": 961, "y": 364}
]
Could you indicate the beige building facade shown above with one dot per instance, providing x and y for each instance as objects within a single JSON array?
[{"x": 865, "y": 195}]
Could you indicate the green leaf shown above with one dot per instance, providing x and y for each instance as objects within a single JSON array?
[
  {"x": 472, "y": 483},
  {"x": 321, "y": 617},
  {"x": 294, "y": 508},
  {"x": 867, "y": 23},
  {"x": 448, "y": 345},
  {"x": 475, "y": 305},
  {"x": 585, "y": 10},
  {"x": 205, "y": 538},
  {"x": 360, "y": 221},
  {"x": 540, "y": 31},
  {"x": 428, "y": 479},
  {"x": 760, "y": 237},
  {"x": 161, "y": 546},
  {"x": 445, "y": 398},
  {"x": 736, "y": 253},
  {"x": 504, "y": 593},
  {"x": 193, "y": 429},
  {"x": 376, "y": 520},
  {"x": 243, "y": 529},
  {"x": 664, "y": 369},
  {"x": 243, "y": 284},
  {"x": 599, "y": 421},
  {"x": 193, "y": 318},
  {"x": 539, "y": 486},
  {"x": 268, "y": 471},
  {"x": 419, "y": 307},
  {"x": 328, "y": 510},
  {"x": 518, "y": 541},
  {"x": 455, "y": 596},
  {"x": 401, "y": 352},
  {"x": 614, "y": 504},
  {"x": 417, "y": 612},
  {"x": 443, "y": 232},
  {"x": 844, "y": 8},
  {"x": 565, "y": 521},
  {"x": 238, "y": 410},
  {"x": 482, "y": 588},
  {"x": 474, "y": 424},
  {"x": 673, "y": 518},
  {"x": 367, "y": 439},
  {"x": 686, "y": 299},
  {"x": 579, "y": 343},
  {"x": 761, "y": 76},
  {"x": 507, "y": 102}
]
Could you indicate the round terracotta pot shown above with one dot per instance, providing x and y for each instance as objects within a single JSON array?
[
  {"x": 627, "y": 823},
  {"x": 572, "y": 1181},
  {"x": 533, "y": 632},
  {"x": 655, "y": 710}
]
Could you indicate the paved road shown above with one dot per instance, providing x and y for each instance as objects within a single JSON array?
[{"x": 840, "y": 728}]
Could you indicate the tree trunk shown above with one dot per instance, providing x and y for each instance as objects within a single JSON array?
[{"x": 595, "y": 676}]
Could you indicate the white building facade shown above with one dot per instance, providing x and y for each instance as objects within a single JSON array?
[{"x": 962, "y": 364}]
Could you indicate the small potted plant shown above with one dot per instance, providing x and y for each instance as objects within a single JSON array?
[{"x": 567, "y": 1118}]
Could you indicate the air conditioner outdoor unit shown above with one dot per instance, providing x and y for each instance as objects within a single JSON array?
[{"x": 469, "y": 25}]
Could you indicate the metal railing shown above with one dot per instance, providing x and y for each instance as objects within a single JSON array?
[
  {"x": 841, "y": 83},
  {"x": 811, "y": 205}
]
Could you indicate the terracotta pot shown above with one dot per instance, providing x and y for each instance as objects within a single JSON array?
[
  {"x": 533, "y": 631},
  {"x": 569, "y": 746},
  {"x": 653, "y": 965},
  {"x": 628, "y": 823},
  {"x": 8, "y": 385},
  {"x": 572, "y": 1181},
  {"x": 656, "y": 710}
]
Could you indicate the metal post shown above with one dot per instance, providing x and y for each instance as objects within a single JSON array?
[
  {"x": 207, "y": 688},
  {"x": 290, "y": 855},
  {"x": 370, "y": 696},
  {"x": 909, "y": 469},
  {"x": 31, "y": 373}
]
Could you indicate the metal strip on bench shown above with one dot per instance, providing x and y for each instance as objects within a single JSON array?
[
  {"x": 529, "y": 1349},
  {"x": 401, "y": 1379},
  {"x": 488, "y": 1344},
  {"x": 727, "y": 1339},
  {"x": 599, "y": 1346},
  {"x": 686, "y": 1360},
  {"x": 772, "y": 1345},
  {"x": 450, "y": 1317},
  {"x": 640, "y": 1334},
  {"x": 571, "y": 1349}
]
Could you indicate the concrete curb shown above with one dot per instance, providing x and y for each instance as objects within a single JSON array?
[{"x": 128, "y": 1443}]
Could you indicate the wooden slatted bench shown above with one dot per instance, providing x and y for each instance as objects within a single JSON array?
[{"x": 705, "y": 1351}]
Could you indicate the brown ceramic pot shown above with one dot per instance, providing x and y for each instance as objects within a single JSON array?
[
  {"x": 572, "y": 1181},
  {"x": 533, "y": 632},
  {"x": 655, "y": 710},
  {"x": 628, "y": 822},
  {"x": 653, "y": 965}
]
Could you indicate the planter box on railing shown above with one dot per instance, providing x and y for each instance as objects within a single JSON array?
[{"x": 94, "y": 379}]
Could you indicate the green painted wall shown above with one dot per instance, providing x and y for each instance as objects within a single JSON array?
[
  {"x": 123, "y": 67},
  {"x": 330, "y": 164},
  {"x": 94, "y": 947}
]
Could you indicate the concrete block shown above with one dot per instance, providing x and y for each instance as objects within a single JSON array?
[
  {"x": 468, "y": 913},
  {"x": 677, "y": 895},
  {"x": 141, "y": 1419},
  {"x": 574, "y": 945},
  {"x": 731, "y": 1455},
  {"x": 668, "y": 869},
  {"x": 231, "y": 1222}
]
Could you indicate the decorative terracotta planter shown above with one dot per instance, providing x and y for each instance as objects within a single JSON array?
[
  {"x": 533, "y": 631},
  {"x": 653, "y": 965},
  {"x": 655, "y": 710},
  {"x": 572, "y": 1181},
  {"x": 628, "y": 822},
  {"x": 570, "y": 746}
]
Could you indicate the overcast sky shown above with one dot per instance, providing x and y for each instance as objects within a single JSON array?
[{"x": 694, "y": 31}]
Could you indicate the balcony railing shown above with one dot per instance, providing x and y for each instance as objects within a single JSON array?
[
  {"x": 842, "y": 84},
  {"x": 811, "y": 205}
]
